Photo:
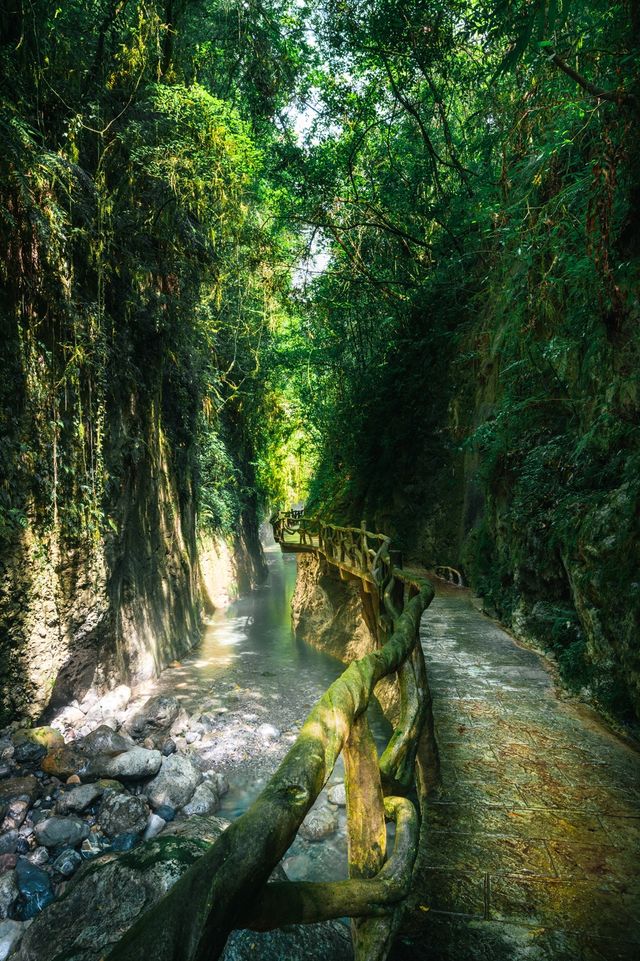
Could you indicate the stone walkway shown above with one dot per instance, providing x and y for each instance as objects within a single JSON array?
[{"x": 535, "y": 831}]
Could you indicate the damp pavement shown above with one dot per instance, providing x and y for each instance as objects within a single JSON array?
[{"x": 534, "y": 833}]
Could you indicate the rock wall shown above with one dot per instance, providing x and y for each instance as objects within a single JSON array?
[
  {"x": 327, "y": 613},
  {"x": 118, "y": 608}
]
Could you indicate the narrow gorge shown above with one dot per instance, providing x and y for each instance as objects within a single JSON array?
[{"x": 319, "y": 480}]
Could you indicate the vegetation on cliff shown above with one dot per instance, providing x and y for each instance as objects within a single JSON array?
[{"x": 457, "y": 359}]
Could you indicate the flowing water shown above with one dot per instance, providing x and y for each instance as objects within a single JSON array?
[{"x": 256, "y": 682}]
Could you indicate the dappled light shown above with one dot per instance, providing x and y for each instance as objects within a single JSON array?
[{"x": 319, "y": 480}]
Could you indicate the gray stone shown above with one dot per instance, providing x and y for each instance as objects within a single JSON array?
[
  {"x": 319, "y": 824},
  {"x": 35, "y": 889},
  {"x": 18, "y": 787},
  {"x": 8, "y": 842},
  {"x": 180, "y": 724},
  {"x": 10, "y": 936},
  {"x": 175, "y": 783},
  {"x": 338, "y": 795},
  {"x": 155, "y": 825},
  {"x": 133, "y": 765},
  {"x": 58, "y": 831},
  {"x": 220, "y": 781},
  {"x": 104, "y": 740},
  {"x": 8, "y": 893},
  {"x": 67, "y": 863},
  {"x": 15, "y": 814},
  {"x": 78, "y": 798},
  {"x": 107, "y": 705},
  {"x": 268, "y": 732},
  {"x": 192, "y": 736},
  {"x": 122, "y": 814},
  {"x": 168, "y": 747},
  {"x": 155, "y": 716},
  {"x": 205, "y": 800}
]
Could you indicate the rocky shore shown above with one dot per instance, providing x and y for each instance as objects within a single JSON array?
[{"x": 107, "y": 775}]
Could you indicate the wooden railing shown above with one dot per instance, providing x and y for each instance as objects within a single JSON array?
[{"x": 228, "y": 886}]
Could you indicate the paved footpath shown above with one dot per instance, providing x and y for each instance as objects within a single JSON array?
[{"x": 535, "y": 831}]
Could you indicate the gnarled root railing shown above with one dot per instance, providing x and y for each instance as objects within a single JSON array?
[{"x": 228, "y": 886}]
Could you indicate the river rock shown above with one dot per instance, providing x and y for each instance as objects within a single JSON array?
[
  {"x": 10, "y": 935},
  {"x": 38, "y": 856},
  {"x": 104, "y": 740},
  {"x": 219, "y": 780},
  {"x": 15, "y": 814},
  {"x": 205, "y": 800},
  {"x": 19, "y": 787},
  {"x": 78, "y": 798},
  {"x": 122, "y": 814},
  {"x": 8, "y": 842},
  {"x": 168, "y": 747},
  {"x": 155, "y": 717},
  {"x": 155, "y": 824},
  {"x": 68, "y": 717},
  {"x": 107, "y": 706},
  {"x": 61, "y": 831},
  {"x": 319, "y": 824},
  {"x": 133, "y": 765},
  {"x": 337, "y": 794},
  {"x": 175, "y": 783},
  {"x": 67, "y": 863},
  {"x": 110, "y": 894},
  {"x": 180, "y": 724},
  {"x": 34, "y": 885},
  {"x": 8, "y": 893},
  {"x": 268, "y": 732},
  {"x": 65, "y": 762},
  {"x": 32, "y": 744},
  {"x": 166, "y": 812}
]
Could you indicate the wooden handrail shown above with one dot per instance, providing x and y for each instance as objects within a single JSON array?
[{"x": 228, "y": 886}]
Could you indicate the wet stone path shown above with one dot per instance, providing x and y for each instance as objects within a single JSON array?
[{"x": 535, "y": 830}]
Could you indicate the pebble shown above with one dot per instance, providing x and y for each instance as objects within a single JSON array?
[
  {"x": 35, "y": 889},
  {"x": 338, "y": 795},
  {"x": 205, "y": 800},
  {"x": 155, "y": 824},
  {"x": 15, "y": 815},
  {"x": 319, "y": 824},
  {"x": 67, "y": 863},
  {"x": 56, "y": 831},
  {"x": 122, "y": 814},
  {"x": 166, "y": 812},
  {"x": 168, "y": 747},
  {"x": 268, "y": 732},
  {"x": 78, "y": 798}
]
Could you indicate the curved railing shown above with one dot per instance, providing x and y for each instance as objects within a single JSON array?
[{"x": 228, "y": 887}]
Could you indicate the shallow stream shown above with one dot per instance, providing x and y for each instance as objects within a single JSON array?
[{"x": 256, "y": 683}]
